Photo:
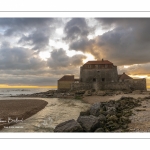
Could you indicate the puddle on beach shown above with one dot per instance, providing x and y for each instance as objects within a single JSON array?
[{"x": 56, "y": 111}]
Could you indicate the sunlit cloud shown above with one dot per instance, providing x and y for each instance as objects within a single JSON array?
[
  {"x": 59, "y": 31},
  {"x": 89, "y": 57},
  {"x": 126, "y": 66},
  {"x": 44, "y": 55}
]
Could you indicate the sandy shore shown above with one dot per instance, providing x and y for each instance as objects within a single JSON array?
[
  {"x": 95, "y": 99},
  {"x": 13, "y": 111}
]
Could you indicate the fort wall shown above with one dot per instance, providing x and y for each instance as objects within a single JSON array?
[
  {"x": 64, "y": 85},
  {"x": 129, "y": 84},
  {"x": 98, "y": 75},
  {"x": 81, "y": 86}
]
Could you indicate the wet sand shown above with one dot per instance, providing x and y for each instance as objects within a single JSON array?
[{"x": 13, "y": 111}]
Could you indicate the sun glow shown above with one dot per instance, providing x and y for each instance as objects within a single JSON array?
[
  {"x": 44, "y": 55},
  {"x": 26, "y": 86},
  {"x": 59, "y": 31},
  {"x": 139, "y": 76},
  {"x": 89, "y": 57},
  {"x": 126, "y": 66}
]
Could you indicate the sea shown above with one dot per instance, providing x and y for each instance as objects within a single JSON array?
[
  {"x": 56, "y": 111},
  {"x": 5, "y": 92}
]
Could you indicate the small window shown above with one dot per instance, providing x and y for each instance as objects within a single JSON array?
[
  {"x": 94, "y": 79},
  {"x": 103, "y": 79}
]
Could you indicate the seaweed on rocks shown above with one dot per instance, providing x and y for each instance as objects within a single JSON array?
[{"x": 112, "y": 116}]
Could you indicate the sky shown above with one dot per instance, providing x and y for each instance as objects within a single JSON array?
[{"x": 36, "y": 52}]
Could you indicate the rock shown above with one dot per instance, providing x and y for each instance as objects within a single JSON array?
[
  {"x": 100, "y": 130},
  {"x": 95, "y": 108},
  {"x": 140, "y": 109},
  {"x": 68, "y": 126},
  {"x": 111, "y": 110},
  {"x": 112, "y": 126},
  {"x": 85, "y": 113},
  {"x": 118, "y": 92},
  {"x": 137, "y": 92},
  {"x": 124, "y": 120},
  {"x": 80, "y": 92},
  {"x": 89, "y": 123},
  {"x": 126, "y": 113},
  {"x": 88, "y": 93},
  {"x": 145, "y": 92},
  {"x": 113, "y": 118},
  {"x": 101, "y": 93},
  {"x": 124, "y": 126},
  {"x": 102, "y": 118},
  {"x": 147, "y": 97}
]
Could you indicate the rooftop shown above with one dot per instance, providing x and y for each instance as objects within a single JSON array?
[
  {"x": 67, "y": 78},
  {"x": 124, "y": 76},
  {"x": 101, "y": 62}
]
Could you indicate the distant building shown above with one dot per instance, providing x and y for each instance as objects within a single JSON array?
[
  {"x": 101, "y": 75},
  {"x": 98, "y": 71},
  {"x": 123, "y": 77},
  {"x": 65, "y": 82}
]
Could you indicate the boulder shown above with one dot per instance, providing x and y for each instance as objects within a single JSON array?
[
  {"x": 137, "y": 92},
  {"x": 112, "y": 126},
  {"x": 111, "y": 110},
  {"x": 102, "y": 118},
  {"x": 113, "y": 118},
  {"x": 95, "y": 108},
  {"x": 124, "y": 120},
  {"x": 100, "y": 130},
  {"x": 101, "y": 93},
  {"x": 88, "y": 93},
  {"x": 85, "y": 113},
  {"x": 68, "y": 126},
  {"x": 89, "y": 123},
  {"x": 119, "y": 92},
  {"x": 80, "y": 92}
]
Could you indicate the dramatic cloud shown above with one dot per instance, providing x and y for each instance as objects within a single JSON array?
[
  {"x": 34, "y": 32},
  {"x": 137, "y": 69},
  {"x": 19, "y": 58},
  {"x": 25, "y": 45},
  {"x": 127, "y": 43},
  {"x": 59, "y": 59},
  {"x": 39, "y": 39},
  {"x": 18, "y": 25},
  {"x": 76, "y": 28}
]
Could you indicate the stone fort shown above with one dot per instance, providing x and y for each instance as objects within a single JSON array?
[{"x": 100, "y": 75}]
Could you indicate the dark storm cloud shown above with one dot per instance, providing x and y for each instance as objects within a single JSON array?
[
  {"x": 127, "y": 43},
  {"x": 13, "y": 25},
  {"x": 19, "y": 58},
  {"x": 39, "y": 39},
  {"x": 75, "y": 29},
  {"x": 59, "y": 59},
  {"x": 34, "y": 32}
]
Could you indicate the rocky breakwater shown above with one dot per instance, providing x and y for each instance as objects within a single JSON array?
[{"x": 112, "y": 116}]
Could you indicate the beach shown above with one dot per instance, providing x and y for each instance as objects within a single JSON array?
[
  {"x": 14, "y": 111},
  {"x": 52, "y": 111}
]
